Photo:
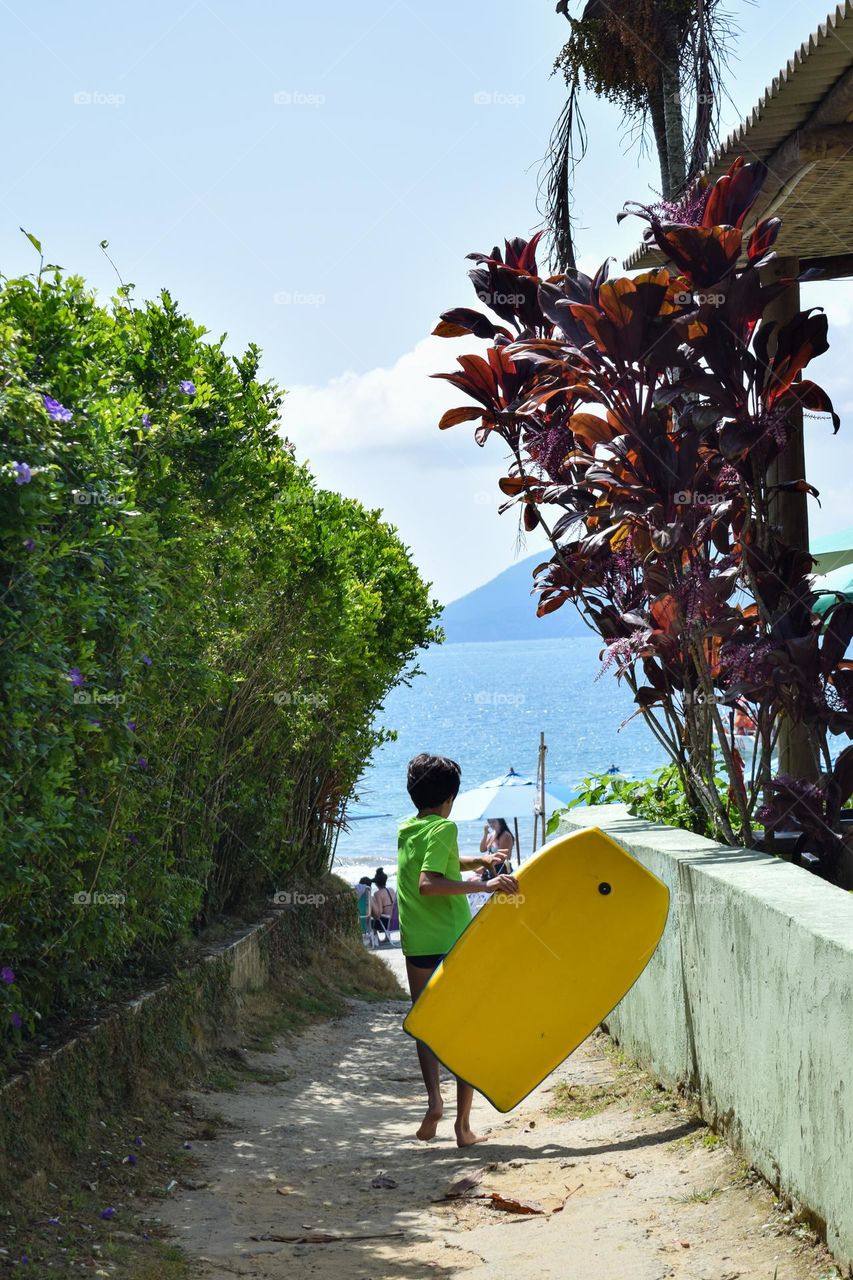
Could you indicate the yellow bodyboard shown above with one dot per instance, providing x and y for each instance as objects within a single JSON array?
[{"x": 531, "y": 977}]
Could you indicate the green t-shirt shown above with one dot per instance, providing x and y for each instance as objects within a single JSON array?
[{"x": 429, "y": 925}]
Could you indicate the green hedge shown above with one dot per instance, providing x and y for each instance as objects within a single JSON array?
[{"x": 194, "y": 641}]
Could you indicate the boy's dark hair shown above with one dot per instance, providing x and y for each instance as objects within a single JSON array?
[{"x": 431, "y": 780}]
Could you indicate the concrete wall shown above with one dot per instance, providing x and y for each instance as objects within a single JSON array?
[{"x": 749, "y": 1001}]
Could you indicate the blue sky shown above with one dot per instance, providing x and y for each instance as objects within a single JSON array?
[{"x": 311, "y": 177}]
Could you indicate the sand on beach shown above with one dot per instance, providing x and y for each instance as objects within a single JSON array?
[{"x": 629, "y": 1183}]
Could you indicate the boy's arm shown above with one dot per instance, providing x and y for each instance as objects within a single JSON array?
[
  {"x": 483, "y": 860},
  {"x": 434, "y": 884}
]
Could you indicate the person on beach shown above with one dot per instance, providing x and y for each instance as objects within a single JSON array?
[
  {"x": 433, "y": 907},
  {"x": 382, "y": 905},
  {"x": 497, "y": 838}
]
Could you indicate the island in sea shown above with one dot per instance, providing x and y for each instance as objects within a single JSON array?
[{"x": 505, "y": 609}]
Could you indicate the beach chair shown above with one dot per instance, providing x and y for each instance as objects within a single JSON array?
[{"x": 368, "y": 937}]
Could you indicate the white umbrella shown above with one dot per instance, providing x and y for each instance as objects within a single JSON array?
[{"x": 509, "y": 796}]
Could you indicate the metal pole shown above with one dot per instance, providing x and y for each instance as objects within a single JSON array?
[
  {"x": 542, "y": 750},
  {"x": 517, "y": 844}
]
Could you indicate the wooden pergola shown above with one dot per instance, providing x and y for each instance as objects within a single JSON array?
[{"x": 802, "y": 128}]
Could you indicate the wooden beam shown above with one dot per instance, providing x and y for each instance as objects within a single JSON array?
[
  {"x": 832, "y": 266},
  {"x": 826, "y": 142},
  {"x": 790, "y": 510}
]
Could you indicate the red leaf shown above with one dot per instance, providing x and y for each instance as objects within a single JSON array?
[{"x": 453, "y": 417}]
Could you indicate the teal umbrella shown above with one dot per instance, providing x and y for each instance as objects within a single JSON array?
[
  {"x": 832, "y": 551},
  {"x": 839, "y": 583}
]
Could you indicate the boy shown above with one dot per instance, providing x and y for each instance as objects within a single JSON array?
[{"x": 434, "y": 909}]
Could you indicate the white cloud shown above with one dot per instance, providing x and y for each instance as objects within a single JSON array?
[{"x": 395, "y": 407}]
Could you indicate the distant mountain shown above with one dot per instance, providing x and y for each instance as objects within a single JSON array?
[{"x": 504, "y": 609}]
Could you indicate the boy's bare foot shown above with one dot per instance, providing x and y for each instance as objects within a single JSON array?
[
  {"x": 465, "y": 1137},
  {"x": 429, "y": 1124}
]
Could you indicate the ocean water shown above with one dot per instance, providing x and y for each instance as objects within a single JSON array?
[{"x": 484, "y": 705}]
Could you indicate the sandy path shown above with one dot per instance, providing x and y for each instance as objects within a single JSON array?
[{"x": 648, "y": 1198}]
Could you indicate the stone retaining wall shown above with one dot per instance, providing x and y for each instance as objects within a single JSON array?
[{"x": 47, "y": 1112}]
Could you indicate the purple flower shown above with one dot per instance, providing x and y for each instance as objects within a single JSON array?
[
  {"x": 29, "y": 544},
  {"x": 133, "y": 838},
  {"x": 137, "y": 1142},
  {"x": 76, "y": 677},
  {"x": 7, "y": 974},
  {"x": 53, "y": 1222},
  {"x": 16, "y": 1020},
  {"x": 146, "y": 419},
  {"x": 131, "y": 726},
  {"x": 94, "y": 722},
  {"x": 146, "y": 659},
  {"x": 55, "y": 411},
  {"x": 131, "y": 1159},
  {"x": 142, "y": 762},
  {"x": 187, "y": 387},
  {"x": 23, "y": 474},
  {"x": 188, "y": 1146},
  {"x": 108, "y": 1213}
]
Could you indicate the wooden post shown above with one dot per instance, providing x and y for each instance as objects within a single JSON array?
[
  {"x": 541, "y": 786},
  {"x": 517, "y": 844},
  {"x": 789, "y": 511}
]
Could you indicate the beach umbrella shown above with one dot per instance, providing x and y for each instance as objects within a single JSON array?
[
  {"x": 833, "y": 550},
  {"x": 509, "y": 796},
  {"x": 839, "y": 582}
]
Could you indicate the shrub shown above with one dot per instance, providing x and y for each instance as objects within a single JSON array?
[
  {"x": 195, "y": 641},
  {"x": 644, "y": 416}
]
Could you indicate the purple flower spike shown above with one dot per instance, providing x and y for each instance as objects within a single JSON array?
[
  {"x": 187, "y": 387},
  {"x": 53, "y": 1222},
  {"x": 29, "y": 544},
  {"x": 108, "y": 1213},
  {"x": 146, "y": 659},
  {"x": 7, "y": 974},
  {"x": 23, "y": 474},
  {"x": 131, "y": 726},
  {"x": 94, "y": 722},
  {"x": 137, "y": 1142},
  {"x": 146, "y": 419},
  {"x": 131, "y": 1159},
  {"x": 56, "y": 411},
  {"x": 16, "y": 1020},
  {"x": 142, "y": 762},
  {"x": 76, "y": 677},
  {"x": 133, "y": 838}
]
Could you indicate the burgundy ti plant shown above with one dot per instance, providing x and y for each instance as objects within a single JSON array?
[{"x": 642, "y": 416}]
